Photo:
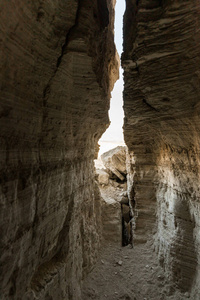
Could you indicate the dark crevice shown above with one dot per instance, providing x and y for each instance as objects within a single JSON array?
[
  {"x": 63, "y": 51},
  {"x": 68, "y": 36},
  {"x": 46, "y": 90},
  {"x": 149, "y": 105},
  {"x": 126, "y": 225},
  {"x": 103, "y": 13},
  {"x": 137, "y": 68}
]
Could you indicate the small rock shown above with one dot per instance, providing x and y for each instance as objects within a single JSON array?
[
  {"x": 102, "y": 261},
  {"x": 147, "y": 266},
  {"x": 120, "y": 263},
  {"x": 126, "y": 257},
  {"x": 149, "y": 281},
  {"x": 114, "y": 183},
  {"x": 186, "y": 295},
  {"x": 115, "y": 273},
  {"x": 116, "y": 293},
  {"x": 131, "y": 274}
]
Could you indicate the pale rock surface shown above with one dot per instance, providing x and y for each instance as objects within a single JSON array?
[
  {"x": 111, "y": 214},
  {"x": 111, "y": 220},
  {"x": 115, "y": 161},
  {"x": 161, "y": 62},
  {"x": 102, "y": 176},
  {"x": 57, "y": 68}
]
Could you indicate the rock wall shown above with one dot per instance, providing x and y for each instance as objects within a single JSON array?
[
  {"x": 162, "y": 131},
  {"x": 58, "y": 65}
]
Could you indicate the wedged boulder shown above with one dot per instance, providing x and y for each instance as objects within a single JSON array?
[
  {"x": 124, "y": 198},
  {"x": 115, "y": 161},
  {"x": 111, "y": 219},
  {"x": 102, "y": 176}
]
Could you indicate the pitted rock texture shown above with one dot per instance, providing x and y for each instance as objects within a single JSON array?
[
  {"x": 161, "y": 62},
  {"x": 58, "y": 66}
]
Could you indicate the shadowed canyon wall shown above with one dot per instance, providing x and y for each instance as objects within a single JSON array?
[
  {"x": 58, "y": 65},
  {"x": 161, "y": 62}
]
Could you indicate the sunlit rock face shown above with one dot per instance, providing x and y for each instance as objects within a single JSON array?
[
  {"x": 162, "y": 131},
  {"x": 58, "y": 66}
]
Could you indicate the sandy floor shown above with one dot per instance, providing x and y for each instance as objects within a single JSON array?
[
  {"x": 128, "y": 274},
  {"x": 124, "y": 273}
]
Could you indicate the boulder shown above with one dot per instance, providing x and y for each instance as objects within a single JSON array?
[
  {"x": 124, "y": 200},
  {"x": 115, "y": 161},
  {"x": 125, "y": 212},
  {"x": 102, "y": 176}
]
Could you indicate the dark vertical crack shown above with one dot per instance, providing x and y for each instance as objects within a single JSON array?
[
  {"x": 149, "y": 105},
  {"x": 63, "y": 51},
  {"x": 47, "y": 89},
  {"x": 67, "y": 39}
]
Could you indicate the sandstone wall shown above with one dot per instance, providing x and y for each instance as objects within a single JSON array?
[
  {"x": 58, "y": 65},
  {"x": 162, "y": 131}
]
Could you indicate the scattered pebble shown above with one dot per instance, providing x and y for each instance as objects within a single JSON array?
[
  {"x": 120, "y": 263},
  {"x": 115, "y": 273},
  {"x": 116, "y": 293},
  {"x": 102, "y": 261},
  {"x": 147, "y": 266},
  {"x": 186, "y": 295}
]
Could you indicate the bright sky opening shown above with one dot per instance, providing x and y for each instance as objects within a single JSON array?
[{"x": 113, "y": 136}]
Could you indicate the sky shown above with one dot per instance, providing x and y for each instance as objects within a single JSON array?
[{"x": 114, "y": 134}]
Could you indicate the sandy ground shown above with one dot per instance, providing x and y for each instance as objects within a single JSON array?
[
  {"x": 125, "y": 273},
  {"x": 128, "y": 274}
]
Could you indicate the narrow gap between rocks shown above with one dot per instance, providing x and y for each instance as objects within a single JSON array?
[
  {"x": 111, "y": 163},
  {"x": 121, "y": 273}
]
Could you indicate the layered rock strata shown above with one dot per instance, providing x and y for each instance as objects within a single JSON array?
[
  {"x": 115, "y": 161},
  {"x": 58, "y": 65},
  {"x": 162, "y": 131},
  {"x": 115, "y": 207}
]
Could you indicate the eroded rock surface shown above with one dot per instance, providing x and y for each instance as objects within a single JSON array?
[
  {"x": 115, "y": 161},
  {"x": 58, "y": 65},
  {"x": 162, "y": 131},
  {"x": 102, "y": 176}
]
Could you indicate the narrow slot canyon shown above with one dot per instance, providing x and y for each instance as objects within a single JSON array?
[{"x": 70, "y": 231}]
